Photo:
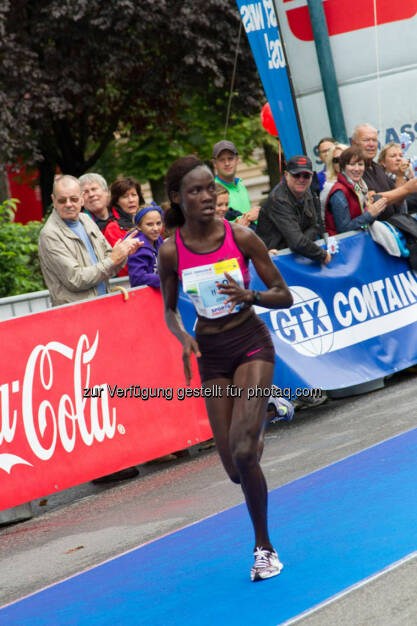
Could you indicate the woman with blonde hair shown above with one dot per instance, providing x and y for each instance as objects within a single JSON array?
[
  {"x": 332, "y": 170},
  {"x": 398, "y": 169},
  {"x": 395, "y": 165}
]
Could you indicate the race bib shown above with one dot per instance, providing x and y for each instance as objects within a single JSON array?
[{"x": 200, "y": 284}]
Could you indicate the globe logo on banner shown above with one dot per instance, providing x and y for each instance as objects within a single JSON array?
[{"x": 306, "y": 325}]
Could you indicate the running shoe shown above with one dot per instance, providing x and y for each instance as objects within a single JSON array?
[
  {"x": 283, "y": 409},
  {"x": 307, "y": 402},
  {"x": 266, "y": 564}
]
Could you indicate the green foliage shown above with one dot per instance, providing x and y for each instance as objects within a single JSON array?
[
  {"x": 8, "y": 209},
  {"x": 73, "y": 72},
  {"x": 198, "y": 126},
  {"x": 20, "y": 271}
]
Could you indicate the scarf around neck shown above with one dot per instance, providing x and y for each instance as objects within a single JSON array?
[{"x": 125, "y": 220}]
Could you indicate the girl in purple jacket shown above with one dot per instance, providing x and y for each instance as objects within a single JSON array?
[{"x": 142, "y": 265}]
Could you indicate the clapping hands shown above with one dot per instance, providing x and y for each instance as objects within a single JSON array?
[{"x": 123, "y": 247}]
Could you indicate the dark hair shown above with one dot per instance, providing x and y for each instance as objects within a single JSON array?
[
  {"x": 350, "y": 153},
  {"x": 120, "y": 186},
  {"x": 180, "y": 168},
  {"x": 331, "y": 139}
]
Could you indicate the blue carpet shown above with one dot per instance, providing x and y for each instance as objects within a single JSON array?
[{"x": 332, "y": 528}]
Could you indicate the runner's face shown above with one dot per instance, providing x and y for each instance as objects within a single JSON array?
[{"x": 198, "y": 194}]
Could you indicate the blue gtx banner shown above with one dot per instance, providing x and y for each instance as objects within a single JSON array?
[
  {"x": 352, "y": 321},
  {"x": 261, "y": 28}
]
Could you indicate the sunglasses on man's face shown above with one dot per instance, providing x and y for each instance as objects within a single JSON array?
[
  {"x": 336, "y": 159},
  {"x": 304, "y": 175}
]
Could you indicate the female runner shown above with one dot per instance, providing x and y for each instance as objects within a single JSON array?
[{"x": 235, "y": 349}]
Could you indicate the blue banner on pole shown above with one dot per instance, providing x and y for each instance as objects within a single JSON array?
[
  {"x": 352, "y": 321},
  {"x": 261, "y": 27}
]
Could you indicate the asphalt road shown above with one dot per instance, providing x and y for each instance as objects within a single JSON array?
[{"x": 85, "y": 525}]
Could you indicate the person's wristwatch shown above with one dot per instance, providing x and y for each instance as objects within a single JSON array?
[{"x": 256, "y": 297}]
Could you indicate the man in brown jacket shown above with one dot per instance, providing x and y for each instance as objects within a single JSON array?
[{"x": 76, "y": 260}]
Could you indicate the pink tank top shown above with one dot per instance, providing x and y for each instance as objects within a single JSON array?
[{"x": 228, "y": 250}]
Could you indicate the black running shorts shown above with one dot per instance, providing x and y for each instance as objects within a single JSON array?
[{"x": 222, "y": 353}]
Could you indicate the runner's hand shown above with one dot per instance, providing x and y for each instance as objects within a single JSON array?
[
  {"x": 236, "y": 293},
  {"x": 189, "y": 345}
]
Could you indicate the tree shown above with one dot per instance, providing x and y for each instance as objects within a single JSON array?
[
  {"x": 197, "y": 127},
  {"x": 73, "y": 70}
]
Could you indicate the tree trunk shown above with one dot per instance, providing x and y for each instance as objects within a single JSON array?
[
  {"x": 272, "y": 164},
  {"x": 46, "y": 181},
  {"x": 4, "y": 184},
  {"x": 158, "y": 189}
]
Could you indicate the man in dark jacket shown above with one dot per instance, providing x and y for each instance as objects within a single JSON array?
[{"x": 289, "y": 218}]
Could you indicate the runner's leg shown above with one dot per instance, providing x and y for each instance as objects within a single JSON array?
[
  {"x": 246, "y": 430},
  {"x": 220, "y": 411}
]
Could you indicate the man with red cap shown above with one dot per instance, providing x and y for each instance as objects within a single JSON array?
[{"x": 289, "y": 218}]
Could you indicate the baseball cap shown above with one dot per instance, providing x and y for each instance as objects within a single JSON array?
[
  {"x": 299, "y": 163},
  {"x": 223, "y": 145}
]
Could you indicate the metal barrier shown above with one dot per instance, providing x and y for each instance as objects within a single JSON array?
[{"x": 37, "y": 301}]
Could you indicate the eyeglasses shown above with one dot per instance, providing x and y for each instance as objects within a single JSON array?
[
  {"x": 302, "y": 175},
  {"x": 336, "y": 159},
  {"x": 72, "y": 199}
]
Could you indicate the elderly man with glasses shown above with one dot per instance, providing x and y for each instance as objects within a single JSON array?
[
  {"x": 76, "y": 260},
  {"x": 290, "y": 217}
]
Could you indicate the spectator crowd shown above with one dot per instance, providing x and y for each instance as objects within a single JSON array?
[{"x": 96, "y": 232}]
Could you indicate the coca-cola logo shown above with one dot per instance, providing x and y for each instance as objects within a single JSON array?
[{"x": 49, "y": 418}]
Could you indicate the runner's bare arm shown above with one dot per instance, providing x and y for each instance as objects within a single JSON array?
[
  {"x": 277, "y": 295},
  {"x": 167, "y": 263}
]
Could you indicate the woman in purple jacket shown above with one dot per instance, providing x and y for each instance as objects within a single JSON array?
[{"x": 142, "y": 267}]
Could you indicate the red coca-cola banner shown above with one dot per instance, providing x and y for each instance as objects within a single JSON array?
[{"x": 89, "y": 389}]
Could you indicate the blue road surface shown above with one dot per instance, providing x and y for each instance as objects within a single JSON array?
[{"x": 332, "y": 528}]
